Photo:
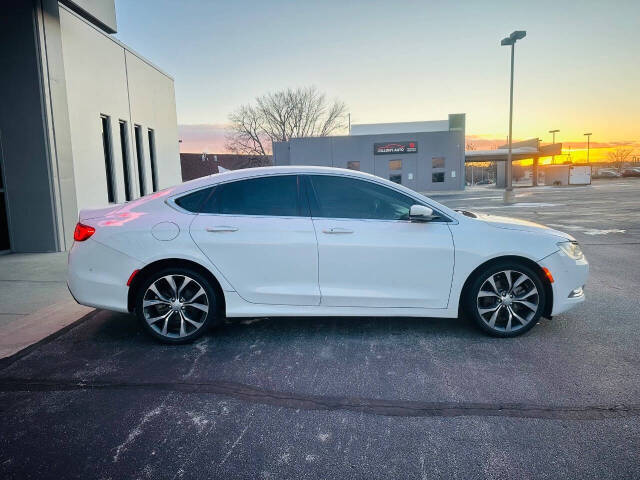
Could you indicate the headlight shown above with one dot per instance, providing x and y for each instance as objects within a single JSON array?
[{"x": 572, "y": 249}]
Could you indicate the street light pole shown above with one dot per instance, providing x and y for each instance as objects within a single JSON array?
[
  {"x": 588, "y": 135},
  {"x": 553, "y": 142},
  {"x": 511, "y": 40}
]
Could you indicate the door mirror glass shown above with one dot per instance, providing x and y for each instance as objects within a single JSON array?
[{"x": 420, "y": 213}]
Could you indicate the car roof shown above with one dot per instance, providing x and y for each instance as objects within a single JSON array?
[
  {"x": 264, "y": 171},
  {"x": 232, "y": 175}
]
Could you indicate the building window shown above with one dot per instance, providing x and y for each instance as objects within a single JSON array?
[
  {"x": 396, "y": 177},
  {"x": 437, "y": 177},
  {"x": 395, "y": 164},
  {"x": 152, "y": 158},
  {"x": 137, "y": 131},
  {"x": 108, "y": 157},
  {"x": 355, "y": 165},
  {"x": 124, "y": 148},
  {"x": 437, "y": 162}
]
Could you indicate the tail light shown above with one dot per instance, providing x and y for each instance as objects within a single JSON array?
[{"x": 82, "y": 232}]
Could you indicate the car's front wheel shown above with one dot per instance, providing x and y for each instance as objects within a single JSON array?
[
  {"x": 506, "y": 299},
  {"x": 176, "y": 305}
]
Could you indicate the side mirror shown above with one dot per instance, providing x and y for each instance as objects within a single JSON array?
[{"x": 420, "y": 213}]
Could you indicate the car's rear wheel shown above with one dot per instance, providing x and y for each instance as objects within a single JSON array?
[
  {"x": 176, "y": 305},
  {"x": 506, "y": 299}
]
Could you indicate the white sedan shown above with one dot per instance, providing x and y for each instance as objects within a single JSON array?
[{"x": 314, "y": 241}]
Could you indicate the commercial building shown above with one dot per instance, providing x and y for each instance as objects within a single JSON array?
[
  {"x": 424, "y": 156},
  {"x": 197, "y": 165},
  {"x": 85, "y": 121}
]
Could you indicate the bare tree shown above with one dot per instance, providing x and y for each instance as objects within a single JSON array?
[
  {"x": 619, "y": 154},
  {"x": 281, "y": 116}
]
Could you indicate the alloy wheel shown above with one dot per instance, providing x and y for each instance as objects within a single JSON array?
[
  {"x": 508, "y": 301},
  {"x": 175, "y": 306}
]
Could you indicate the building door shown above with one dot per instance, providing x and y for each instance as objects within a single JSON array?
[{"x": 4, "y": 223}]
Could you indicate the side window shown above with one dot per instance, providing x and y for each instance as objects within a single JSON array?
[
  {"x": 273, "y": 196},
  {"x": 343, "y": 197},
  {"x": 192, "y": 201}
]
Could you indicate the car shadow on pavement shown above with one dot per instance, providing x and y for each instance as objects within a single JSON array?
[{"x": 109, "y": 327}]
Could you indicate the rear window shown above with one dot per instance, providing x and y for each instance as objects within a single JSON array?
[{"x": 192, "y": 201}]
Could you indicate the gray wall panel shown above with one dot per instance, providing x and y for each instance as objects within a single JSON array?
[{"x": 23, "y": 132}]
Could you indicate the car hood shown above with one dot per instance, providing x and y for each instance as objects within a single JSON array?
[{"x": 509, "y": 223}]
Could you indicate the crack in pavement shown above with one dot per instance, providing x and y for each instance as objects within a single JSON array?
[{"x": 400, "y": 408}]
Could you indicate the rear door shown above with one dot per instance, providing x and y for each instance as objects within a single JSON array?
[
  {"x": 370, "y": 254},
  {"x": 259, "y": 234}
]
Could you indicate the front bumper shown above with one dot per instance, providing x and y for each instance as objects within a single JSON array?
[{"x": 569, "y": 276}]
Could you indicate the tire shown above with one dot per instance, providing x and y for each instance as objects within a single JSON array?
[
  {"x": 176, "y": 305},
  {"x": 510, "y": 309}
]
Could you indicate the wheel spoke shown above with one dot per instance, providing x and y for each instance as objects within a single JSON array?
[
  {"x": 197, "y": 294},
  {"x": 531, "y": 306},
  {"x": 507, "y": 274},
  {"x": 192, "y": 322},
  {"x": 482, "y": 311},
  {"x": 533, "y": 291},
  {"x": 172, "y": 283},
  {"x": 155, "y": 290},
  {"x": 150, "y": 303},
  {"x": 166, "y": 322},
  {"x": 521, "y": 279},
  {"x": 486, "y": 293},
  {"x": 186, "y": 281},
  {"x": 492, "y": 320},
  {"x": 182, "y": 330},
  {"x": 492, "y": 282},
  {"x": 199, "y": 306},
  {"x": 155, "y": 319},
  {"x": 508, "y": 327},
  {"x": 523, "y": 321}
]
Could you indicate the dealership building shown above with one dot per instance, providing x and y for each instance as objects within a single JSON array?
[
  {"x": 424, "y": 156},
  {"x": 84, "y": 120}
]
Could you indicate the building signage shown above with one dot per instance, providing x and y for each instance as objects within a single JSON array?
[{"x": 395, "y": 148}]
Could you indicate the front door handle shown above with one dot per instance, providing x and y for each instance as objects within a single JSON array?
[
  {"x": 334, "y": 230},
  {"x": 221, "y": 228}
]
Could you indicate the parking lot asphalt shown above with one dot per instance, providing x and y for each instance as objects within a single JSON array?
[{"x": 354, "y": 397}]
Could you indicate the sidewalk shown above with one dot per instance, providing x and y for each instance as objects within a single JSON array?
[{"x": 34, "y": 300}]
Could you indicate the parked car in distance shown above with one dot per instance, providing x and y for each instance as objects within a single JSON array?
[
  {"x": 314, "y": 241},
  {"x": 607, "y": 173},
  {"x": 631, "y": 172}
]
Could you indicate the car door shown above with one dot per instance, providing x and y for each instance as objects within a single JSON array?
[
  {"x": 370, "y": 254},
  {"x": 260, "y": 236}
]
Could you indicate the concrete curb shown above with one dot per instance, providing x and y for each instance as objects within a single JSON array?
[{"x": 21, "y": 336}]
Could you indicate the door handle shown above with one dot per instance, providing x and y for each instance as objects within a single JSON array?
[
  {"x": 334, "y": 230},
  {"x": 221, "y": 228}
]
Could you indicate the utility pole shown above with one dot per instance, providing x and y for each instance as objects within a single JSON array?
[
  {"x": 588, "y": 135},
  {"x": 511, "y": 40}
]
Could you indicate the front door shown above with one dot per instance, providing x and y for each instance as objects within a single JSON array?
[
  {"x": 260, "y": 236},
  {"x": 370, "y": 254}
]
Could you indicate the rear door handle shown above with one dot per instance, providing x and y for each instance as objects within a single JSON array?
[
  {"x": 221, "y": 228},
  {"x": 334, "y": 230}
]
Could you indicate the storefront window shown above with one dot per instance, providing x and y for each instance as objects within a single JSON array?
[
  {"x": 395, "y": 164},
  {"x": 437, "y": 162}
]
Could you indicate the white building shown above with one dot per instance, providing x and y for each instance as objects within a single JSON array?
[{"x": 85, "y": 121}]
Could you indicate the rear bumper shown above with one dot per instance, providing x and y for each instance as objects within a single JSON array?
[
  {"x": 568, "y": 275},
  {"x": 97, "y": 275}
]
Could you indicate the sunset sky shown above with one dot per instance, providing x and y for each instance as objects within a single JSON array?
[{"x": 577, "y": 70}]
